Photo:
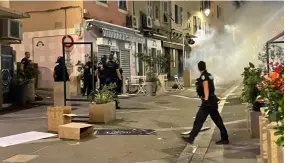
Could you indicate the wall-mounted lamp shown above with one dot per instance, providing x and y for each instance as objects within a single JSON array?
[{"x": 207, "y": 12}]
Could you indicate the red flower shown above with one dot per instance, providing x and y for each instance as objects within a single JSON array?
[
  {"x": 282, "y": 89},
  {"x": 276, "y": 64},
  {"x": 271, "y": 63},
  {"x": 278, "y": 68}
]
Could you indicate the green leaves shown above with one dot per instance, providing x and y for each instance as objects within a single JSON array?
[
  {"x": 103, "y": 96},
  {"x": 251, "y": 77}
]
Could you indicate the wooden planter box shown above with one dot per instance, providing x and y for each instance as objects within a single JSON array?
[
  {"x": 102, "y": 113},
  {"x": 253, "y": 122},
  {"x": 56, "y": 117},
  {"x": 58, "y": 93},
  {"x": 275, "y": 153},
  {"x": 263, "y": 122}
]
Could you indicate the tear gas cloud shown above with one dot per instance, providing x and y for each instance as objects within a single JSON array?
[{"x": 226, "y": 53}]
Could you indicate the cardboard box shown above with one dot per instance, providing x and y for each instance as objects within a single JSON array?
[
  {"x": 102, "y": 112},
  {"x": 58, "y": 116},
  {"x": 75, "y": 131}
]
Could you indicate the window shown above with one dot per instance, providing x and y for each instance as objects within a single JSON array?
[
  {"x": 149, "y": 8},
  {"x": 219, "y": 12},
  {"x": 102, "y": 1},
  {"x": 156, "y": 15},
  {"x": 178, "y": 14},
  {"x": 165, "y": 11},
  {"x": 188, "y": 20},
  {"x": 181, "y": 15},
  {"x": 123, "y": 4}
]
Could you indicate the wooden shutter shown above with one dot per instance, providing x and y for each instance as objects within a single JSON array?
[{"x": 125, "y": 62}]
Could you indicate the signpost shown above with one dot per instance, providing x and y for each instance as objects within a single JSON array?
[{"x": 68, "y": 39}]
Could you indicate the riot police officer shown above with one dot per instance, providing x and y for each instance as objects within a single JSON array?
[
  {"x": 112, "y": 74},
  {"x": 87, "y": 77},
  {"x": 206, "y": 89},
  {"x": 101, "y": 71},
  {"x": 60, "y": 71}
]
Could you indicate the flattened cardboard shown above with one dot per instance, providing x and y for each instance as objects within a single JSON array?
[
  {"x": 102, "y": 112},
  {"x": 75, "y": 131},
  {"x": 56, "y": 117}
]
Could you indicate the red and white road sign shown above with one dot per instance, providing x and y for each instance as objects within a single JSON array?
[{"x": 67, "y": 39}]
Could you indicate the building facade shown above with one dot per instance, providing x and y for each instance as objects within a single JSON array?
[
  {"x": 50, "y": 21},
  {"x": 7, "y": 53}
]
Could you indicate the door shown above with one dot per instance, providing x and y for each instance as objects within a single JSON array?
[
  {"x": 125, "y": 62},
  {"x": 180, "y": 63}
]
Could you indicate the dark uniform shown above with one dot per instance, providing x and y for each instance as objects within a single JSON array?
[
  {"x": 87, "y": 75},
  {"x": 60, "y": 71},
  {"x": 26, "y": 62},
  {"x": 101, "y": 72},
  {"x": 110, "y": 69},
  {"x": 209, "y": 107},
  {"x": 120, "y": 83}
]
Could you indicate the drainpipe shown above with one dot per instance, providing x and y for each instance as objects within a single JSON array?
[{"x": 65, "y": 14}]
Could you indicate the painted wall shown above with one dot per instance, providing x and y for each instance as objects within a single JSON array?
[{"x": 45, "y": 47}]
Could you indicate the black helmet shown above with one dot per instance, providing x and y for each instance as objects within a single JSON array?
[
  {"x": 103, "y": 58},
  {"x": 111, "y": 57},
  {"x": 60, "y": 60}
]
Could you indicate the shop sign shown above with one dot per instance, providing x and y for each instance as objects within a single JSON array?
[{"x": 121, "y": 36}]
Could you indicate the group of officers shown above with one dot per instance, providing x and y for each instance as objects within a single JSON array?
[{"x": 107, "y": 71}]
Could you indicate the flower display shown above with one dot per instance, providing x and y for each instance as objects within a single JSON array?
[{"x": 272, "y": 92}]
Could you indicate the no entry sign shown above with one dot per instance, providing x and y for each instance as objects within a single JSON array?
[{"x": 67, "y": 39}]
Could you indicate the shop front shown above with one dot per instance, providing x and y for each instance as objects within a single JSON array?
[
  {"x": 117, "y": 40},
  {"x": 177, "y": 60},
  {"x": 8, "y": 54}
]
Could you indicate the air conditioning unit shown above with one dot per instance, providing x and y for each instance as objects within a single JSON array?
[
  {"x": 135, "y": 22},
  {"x": 149, "y": 22},
  {"x": 11, "y": 29}
]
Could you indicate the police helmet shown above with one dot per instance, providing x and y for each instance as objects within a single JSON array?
[
  {"x": 60, "y": 60},
  {"x": 111, "y": 57}
]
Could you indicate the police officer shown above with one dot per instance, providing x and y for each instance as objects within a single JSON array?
[
  {"x": 60, "y": 71},
  {"x": 87, "y": 77},
  {"x": 209, "y": 106},
  {"x": 101, "y": 71},
  {"x": 25, "y": 62},
  {"x": 112, "y": 74}
]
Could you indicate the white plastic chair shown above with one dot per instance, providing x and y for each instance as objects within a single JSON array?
[{"x": 179, "y": 85}]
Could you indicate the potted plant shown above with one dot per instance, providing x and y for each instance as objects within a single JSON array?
[
  {"x": 252, "y": 76},
  {"x": 102, "y": 107},
  {"x": 152, "y": 61},
  {"x": 23, "y": 79}
]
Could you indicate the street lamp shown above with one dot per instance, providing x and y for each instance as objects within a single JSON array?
[{"x": 207, "y": 12}]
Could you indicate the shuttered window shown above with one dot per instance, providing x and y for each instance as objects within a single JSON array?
[
  {"x": 103, "y": 50},
  {"x": 125, "y": 62}
]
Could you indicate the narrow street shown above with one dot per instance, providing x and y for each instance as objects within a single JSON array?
[{"x": 168, "y": 114}]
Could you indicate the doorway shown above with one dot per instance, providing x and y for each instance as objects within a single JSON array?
[{"x": 180, "y": 63}]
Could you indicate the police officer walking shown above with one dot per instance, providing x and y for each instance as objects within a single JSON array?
[
  {"x": 112, "y": 74},
  {"x": 209, "y": 106},
  {"x": 87, "y": 77},
  {"x": 101, "y": 71}
]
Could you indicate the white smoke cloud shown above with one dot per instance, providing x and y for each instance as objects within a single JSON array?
[{"x": 226, "y": 53}]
